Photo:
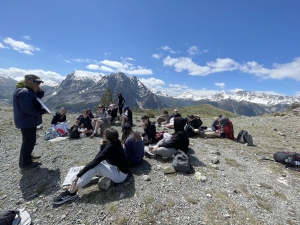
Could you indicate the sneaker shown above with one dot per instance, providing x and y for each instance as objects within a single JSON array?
[
  {"x": 64, "y": 197},
  {"x": 35, "y": 156},
  {"x": 149, "y": 153},
  {"x": 31, "y": 166}
]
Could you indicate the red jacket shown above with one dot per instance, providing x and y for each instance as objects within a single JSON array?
[{"x": 228, "y": 130}]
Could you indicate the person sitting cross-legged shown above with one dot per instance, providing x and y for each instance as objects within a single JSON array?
[
  {"x": 110, "y": 162},
  {"x": 113, "y": 112},
  {"x": 101, "y": 120},
  {"x": 85, "y": 124},
  {"x": 225, "y": 131},
  {"x": 126, "y": 117},
  {"x": 149, "y": 130},
  {"x": 133, "y": 145},
  {"x": 178, "y": 141},
  {"x": 163, "y": 119}
]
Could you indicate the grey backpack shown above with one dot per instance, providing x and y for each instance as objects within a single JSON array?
[
  {"x": 181, "y": 162},
  {"x": 244, "y": 137}
]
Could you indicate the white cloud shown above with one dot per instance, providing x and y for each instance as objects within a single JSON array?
[
  {"x": 67, "y": 61},
  {"x": 166, "y": 48},
  {"x": 235, "y": 90},
  {"x": 205, "y": 50},
  {"x": 221, "y": 65},
  {"x": 178, "y": 86},
  {"x": 92, "y": 67},
  {"x": 193, "y": 50},
  {"x": 82, "y": 60},
  {"x": 156, "y": 56},
  {"x": 269, "y": 92},
  {"x": 26, "y": 37},
  {"x": 128, "y": 59},
  {"x": 46, "y": 76},
  {"x": 173, "y": 52},
  {"x": 107, "y": 53},
  {"x": 2, "y": 46},
  {"x": 184, "y": 63},
  {"x": 152, "y": 82},
  {"x": 125, "y": 67},
  {"x": 297, "y": 94},
  {"x": 221, "y": 85},
  {"x": 20, "y": 46}
]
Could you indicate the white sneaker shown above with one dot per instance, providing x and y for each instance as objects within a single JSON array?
[{"x": 149, "y": 153}]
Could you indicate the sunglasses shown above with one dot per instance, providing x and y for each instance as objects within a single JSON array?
[
  {"x": 36, "y": 82},
  {"x": 100, "y": 107}
]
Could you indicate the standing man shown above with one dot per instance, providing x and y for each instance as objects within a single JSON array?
[
  {"x": 121, "y": 103},
  {"x": 27, "y": 116}
]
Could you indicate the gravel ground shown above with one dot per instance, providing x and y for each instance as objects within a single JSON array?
[{"x": 231, "y": 183}]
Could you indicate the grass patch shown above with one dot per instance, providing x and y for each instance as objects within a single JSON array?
[
  {"x": 263, "y": 203},
  {"x": 41, "y": 188},
  {"x": 279, "y": 195},
  {"x": 266, "y": 186},
  {"x": 148, "y": 200},
  {"x": 113, "y": 207},
  {"x": 171, "y": 203},
  {"x": 232, "y": 163},
  {"x": 146, "y": 216},
  {"x": 122, "y": 221},
  {"x": 191, "y": 200},
  {"x": 275, "y": 167}
]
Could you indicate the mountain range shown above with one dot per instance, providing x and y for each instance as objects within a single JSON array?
[{"x": 80, "y": 90}]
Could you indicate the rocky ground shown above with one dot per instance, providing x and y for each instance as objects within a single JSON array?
[{"x": 231, "y": 183}]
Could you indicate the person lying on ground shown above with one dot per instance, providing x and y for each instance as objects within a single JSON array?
[
  {"x": 149, "y": 128},
  {"x": 126, "y": 117},
  {"x": 59, "y": 117},
  {"x": 85, "y": 124},
  {"x": 102, "y": 119},
  {"x": 133, "y": 145},
  {"x": 178, "y": 141},
  {"x": 225, "y": 131},
  {"x": 110, "y": 162},
  {"x": 163, "y": 119}
]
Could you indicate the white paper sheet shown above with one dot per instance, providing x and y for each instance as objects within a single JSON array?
[
  {"x": 43, "y": 105},
  {"x": 71, "y": 175}
]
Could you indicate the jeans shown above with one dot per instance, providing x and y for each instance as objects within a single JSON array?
[
  {"x": 28, "y": 142},
  {"x": 102, "y": 169}
]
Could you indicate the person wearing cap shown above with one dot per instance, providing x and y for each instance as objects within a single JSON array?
[
  {"x": 121, "y": 102},
  {"x": 110, "y": 162},
  {"x": 133, "y": 145},
  {"x": 126, "y": 117},
  {"x": 175, "y": 114},
  {"x": 225, "y": 131},
  {"x": 27, "y": 116},
  {"x": 149, "y": 130}
]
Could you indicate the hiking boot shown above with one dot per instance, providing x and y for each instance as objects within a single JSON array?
[
  {"x": 64, "y": 197},
  {"x": 149, "y": 153},
  {"x": 31, "y": 166},
  {"x": 35, "y": 156}
]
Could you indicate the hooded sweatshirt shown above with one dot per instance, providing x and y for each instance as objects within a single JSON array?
[
  {"x": 27, "y": 110},
  {"x": 180, "y": 139}
]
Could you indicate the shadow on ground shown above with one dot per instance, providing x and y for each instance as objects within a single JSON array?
[{"x": 39, "y": 181}]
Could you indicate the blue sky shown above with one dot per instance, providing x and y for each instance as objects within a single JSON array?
[{"x": 176, "y": 46}]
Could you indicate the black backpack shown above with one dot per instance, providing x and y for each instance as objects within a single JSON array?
[
  {"x": 287, "y": 158},
  {"x": 73, "y": 132},
  {"x": 244, "y": 137},
  {"x": 181, "y": 162},
  {"x": 8, "y": 217}
]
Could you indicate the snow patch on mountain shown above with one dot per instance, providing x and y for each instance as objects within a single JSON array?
[{"x": 86, "y": 75}]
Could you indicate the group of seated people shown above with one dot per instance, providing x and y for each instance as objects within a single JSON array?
[{"x": 116, "y": 156}]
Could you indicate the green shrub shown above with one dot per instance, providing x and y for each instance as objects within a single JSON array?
[{"x": 150, "y": 113}]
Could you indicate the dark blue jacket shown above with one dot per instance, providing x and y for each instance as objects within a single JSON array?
[
  {"x": 134, "y": 150},
  {"x": 27, "y": 110}
]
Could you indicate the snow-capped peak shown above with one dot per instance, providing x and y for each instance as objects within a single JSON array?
[{"x": 86, "y": 75}]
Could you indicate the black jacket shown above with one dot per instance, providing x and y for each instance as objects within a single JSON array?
[
  {"x": 114, "y": 113},
  {"x": 195, "y": 123},
  {"x": 57, "y": 118},
  {"x": 150, "y": 131},
  {"x": 129, "y": 116},
  {"x": 114, "y": 154},
  {"x": 179, "y": 139},
  {"x": 121, "y": 101},
  {"x": 87, "y": 123},
  {"x": 174, "y": 116}
]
